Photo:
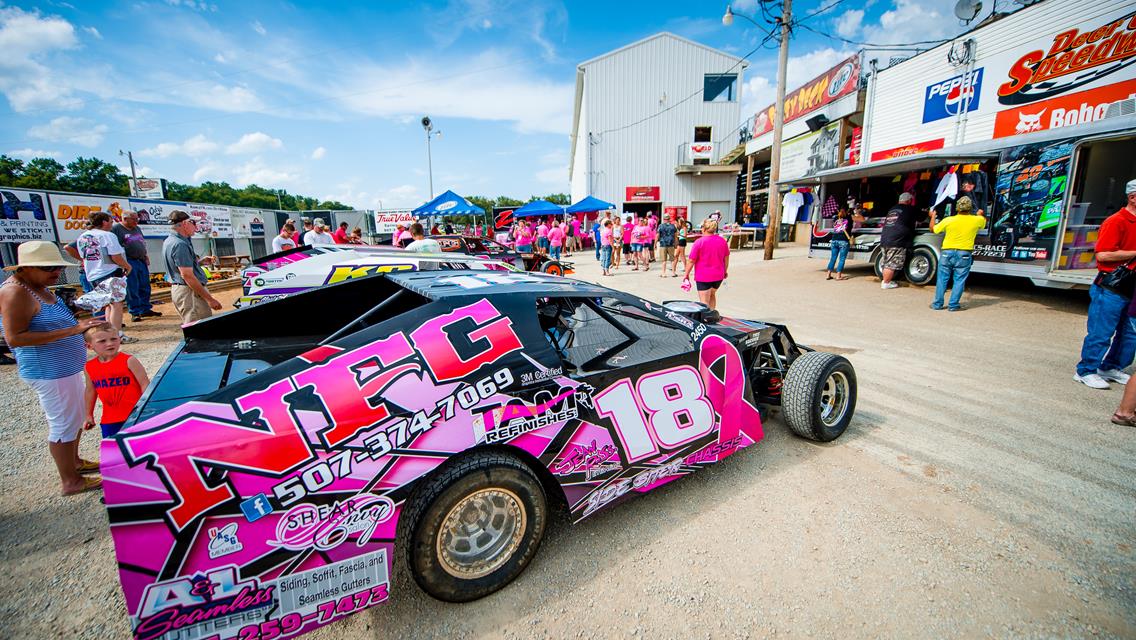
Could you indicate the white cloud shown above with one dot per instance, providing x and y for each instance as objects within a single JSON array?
[
  {"x": 235, "y": 98},
  {"x": 219, "y": 58},
  {"x": 849, "y": 23},
  {"x": 486, "y": 87},
  {"x": 259, "y": 28},
  {"x": 33, "y": 153},
  {"x": 208, "y": 171},
  {"x": 25, "y": 37},
  {"x": 318, "y": 153},
  {"x": 78, "y": 131},
  {"x": 256, "y": 171},
  {"x": 193, "y": 147},
  {"x": 94, "y": 32},
  {"x": 143, "y": 171},
  {"x": 254, "y": 143},
  {"x": 910, "y": 20},
  {"x": 196, "y": 6}
]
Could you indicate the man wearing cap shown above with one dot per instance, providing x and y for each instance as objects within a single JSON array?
[
  {"x": 1110, "y": 342},
  {"x": 318, "y": 234},
  {"x": 138, "y": 280},
  {"x": 897, "y": 237},
  {"x": 183, "y": 269},
  {"x": 957, "y": 256}
]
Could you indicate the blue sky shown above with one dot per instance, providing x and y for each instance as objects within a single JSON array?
[{"x": 324, "y": 99}]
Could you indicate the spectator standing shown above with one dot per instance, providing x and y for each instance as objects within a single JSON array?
[
  {"x": 652, "y": 234},
  {"x": 421, "y": 243},
  {"x": 710, "y": 261},
  {"x": 596, "y": 232},
  {"x": 1110, "y": 341},
  {"x": 681, "y": 229},
  {"x": 405, "y": 237},
  {"x": 542, "y": 243},
  {"x": 138, "y": 281},
  {"x": 103, "y": 259},
  {"x": 356, "y": 236},
  {"x": 524, "y": 237},
  {"x": 183, "y": 269},
  {"x": 340, "y": 236},
  {"x": 958, "y": 245},
  {"x": 284, "y": 240},
  {"x": 296, "y": 239},
  {"x": 308, "y": 226},
  {"x": 318, "y": 234},
  {"x": 113, "y": 377},
  {"x": 841, "y": 239},
  {"x": 616, "y": 242},
  {"x": 628, "y": 248},
  {"x": 48, "y": 344},
  {"x": 667, "y": 233},
  {"x": 577, "y": 239},
  {"x": 605, "y": 245},
  {"x": 1125, "y": 414},
  {"x": 897, "y": 237},
  {"x": 641, "y": 243},
  {"x": 555, "y": 240},
  {"x": 398, "y": 234}
]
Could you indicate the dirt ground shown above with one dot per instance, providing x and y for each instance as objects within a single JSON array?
[{"x": 979, "y": 492}]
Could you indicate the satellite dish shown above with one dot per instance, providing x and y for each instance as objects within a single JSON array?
[{"x": 967, "y": 10}]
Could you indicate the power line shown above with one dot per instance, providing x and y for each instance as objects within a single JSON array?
[
  {"x": 898, "y": 45},
  {"x": 818, "y": 11}
]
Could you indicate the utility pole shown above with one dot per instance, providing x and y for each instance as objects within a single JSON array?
[
  {"x": 133, "y": 185},
  {"x": 430, "y": 132},
  {"x": 279, "y": 206},
  {"x": 774, "y": 229}
]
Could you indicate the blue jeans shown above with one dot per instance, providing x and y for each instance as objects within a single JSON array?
[
  {"x": 138, "y": 288},
  {"x": 1110, "y": 342},
  {"x": 952, "y": 263},
  {"x": 597, "y": 237},
  {"x": 555, "y": 252},
  {"x": 605, "y": 257},
  {"x": 838, "y": 255}
]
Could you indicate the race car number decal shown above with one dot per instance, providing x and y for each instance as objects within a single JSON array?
[{"x": 676, "y": 407}]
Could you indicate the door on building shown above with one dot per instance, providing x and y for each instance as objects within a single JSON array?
[
  {"x": 642, "y": 208},
  {"x": 699, "y": 211}
]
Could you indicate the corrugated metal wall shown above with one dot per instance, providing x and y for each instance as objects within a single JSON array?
[
  {"x": 897, "y": 119},
  {"x": 641, "y": 81}
]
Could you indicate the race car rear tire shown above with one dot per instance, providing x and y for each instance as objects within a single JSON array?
[
  {"x": 475, "y": 526},
  {"x": 819, "y": 395},
  {"x": 922, "y": 267},
  {"x": 552, "y": 268}
]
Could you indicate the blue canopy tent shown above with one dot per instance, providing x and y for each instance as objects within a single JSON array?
[
  {"x": 590, "y": 205},
  {"x": 538, "y": 208},
  {"x": 448, "y": 204}
]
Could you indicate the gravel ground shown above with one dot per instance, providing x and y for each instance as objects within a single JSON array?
[{"x": 979, "y": 492}]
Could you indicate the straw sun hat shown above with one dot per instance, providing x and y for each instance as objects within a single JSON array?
[{"x": 39, "y": 253}]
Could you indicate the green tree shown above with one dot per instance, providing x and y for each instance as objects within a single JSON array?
[
  {"x": 481, "y": 201},
  {"x": 42, "y": 173},
  {"x": 561, "y": 199},
  {"x": 11, "y": 170},
  {"x": 91, "y": 175},
  {"x": 506, "y": 201}
]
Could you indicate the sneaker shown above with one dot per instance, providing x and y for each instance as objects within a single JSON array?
[
  {"x": 888, "y": 285},
  {"x": 1114, "y": 375},
  {"x": 936, "y": 308},
  {"x": 130, "y": 340},
  {"x": 1092, "y": 380},
  {"x": 152, "y": 314},
  {"x": 137, "y": 317}
]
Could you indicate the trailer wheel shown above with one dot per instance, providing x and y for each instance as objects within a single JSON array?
[
  {"x": 878, "y": 263},
  {"x": 819, "y": 395},
  {"x": 922, "y": 267},
  {"x": 475, "y": 527},
  {"x": 552, "y": 268}
]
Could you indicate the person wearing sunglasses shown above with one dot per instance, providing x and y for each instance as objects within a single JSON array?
[
  {"x": 183, "y": 269},
  {"x": 50, "y": 354}
]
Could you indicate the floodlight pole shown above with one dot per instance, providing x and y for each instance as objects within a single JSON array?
[{"x": 774, "y": 229}]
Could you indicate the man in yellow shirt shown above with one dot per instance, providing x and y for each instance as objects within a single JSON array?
[{"x": 958, "y": 245}]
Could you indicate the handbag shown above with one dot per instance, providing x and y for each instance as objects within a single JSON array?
[{"x": 1121, "y": 280}]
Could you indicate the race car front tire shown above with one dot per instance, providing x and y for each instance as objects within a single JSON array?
[
  {"x": 819, "y": 395},
  {"x": 475, "y": 526}
]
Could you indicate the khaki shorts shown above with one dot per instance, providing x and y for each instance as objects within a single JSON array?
[
  {"x": 894, "y": 257},
  {"x": 189, "y": 305},
  {"x": 668, "y": 253}
]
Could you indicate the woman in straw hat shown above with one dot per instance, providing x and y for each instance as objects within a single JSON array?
[{"x": 50, "y": 354}]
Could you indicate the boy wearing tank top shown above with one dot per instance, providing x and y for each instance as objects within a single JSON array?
[{"x": 114, "y": 377}]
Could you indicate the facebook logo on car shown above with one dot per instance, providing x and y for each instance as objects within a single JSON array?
[
  {"x": 256, "y": 507},
  {"x": 948, "y": 98}
]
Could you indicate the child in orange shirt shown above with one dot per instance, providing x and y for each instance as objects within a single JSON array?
[{"x": 114, "y": 377}]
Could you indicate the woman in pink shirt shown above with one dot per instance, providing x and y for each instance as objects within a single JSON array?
[
  {"x": 606, "y": 238},
  {"x": 542, "y": 237},
  {"x": 628, "y": 254},
  {"x": 555, "y": 240},
  {"x": 640, "y": 237},
  {"x": 524, "y": 238},
  {"x": 710, "y": 260}
]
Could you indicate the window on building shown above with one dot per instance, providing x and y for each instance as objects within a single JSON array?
[
  {"x": 720, "y": 87},
  {"x": 703, "y": 134}
]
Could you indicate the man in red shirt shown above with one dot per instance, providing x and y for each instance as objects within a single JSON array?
[
  {"x": 341, "y": 234},
  {"x": 1110, "y": 343}
]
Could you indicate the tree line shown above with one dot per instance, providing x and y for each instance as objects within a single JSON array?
[{"x": 91, "y": 175}]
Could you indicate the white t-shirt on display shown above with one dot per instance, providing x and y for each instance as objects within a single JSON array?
[
  {"x": 95, "y": 248},
  {"x": 790, "y": 204},
  {"x": 280, "y": 244},
  {"x": 314, "y": 237}
]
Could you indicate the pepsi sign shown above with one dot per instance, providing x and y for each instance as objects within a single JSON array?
[{"x": 948, "y": 98}]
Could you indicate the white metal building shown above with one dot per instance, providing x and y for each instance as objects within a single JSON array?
[{"x": 684, "y": 97}]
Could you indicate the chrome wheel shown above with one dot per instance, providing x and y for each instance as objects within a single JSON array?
[
  {"x": 919, "y": 268},
  {"x": 834, "y": 398},
  {"x": 481, "y": 533}
]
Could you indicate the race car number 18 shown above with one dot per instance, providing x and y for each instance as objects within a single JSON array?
[{"x": 676, "y": 406}]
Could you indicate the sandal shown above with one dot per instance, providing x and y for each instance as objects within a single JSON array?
[
  {"x": 829, "y": 278},
  {"x": 86, "y": 466},
  {"x": 89, "y": 484},
  {"x": 1124, "y": 421}
]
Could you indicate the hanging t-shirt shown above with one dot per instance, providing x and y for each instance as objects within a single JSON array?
[
  {"x": 95, "y": 248},
  {"x": 829, "y": 208},
  {"x": 948, "y": 188},
  {"x": 790, "y": 204}
]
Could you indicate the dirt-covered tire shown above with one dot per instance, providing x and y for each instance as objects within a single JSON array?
[
  {"x": 922, "y": 267},
  {"x": 552, "y": 268},
  {"x": 878, "y": 263},
  {"x": 819, "y": 395},
  {"x": 475, "y": 526}
]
